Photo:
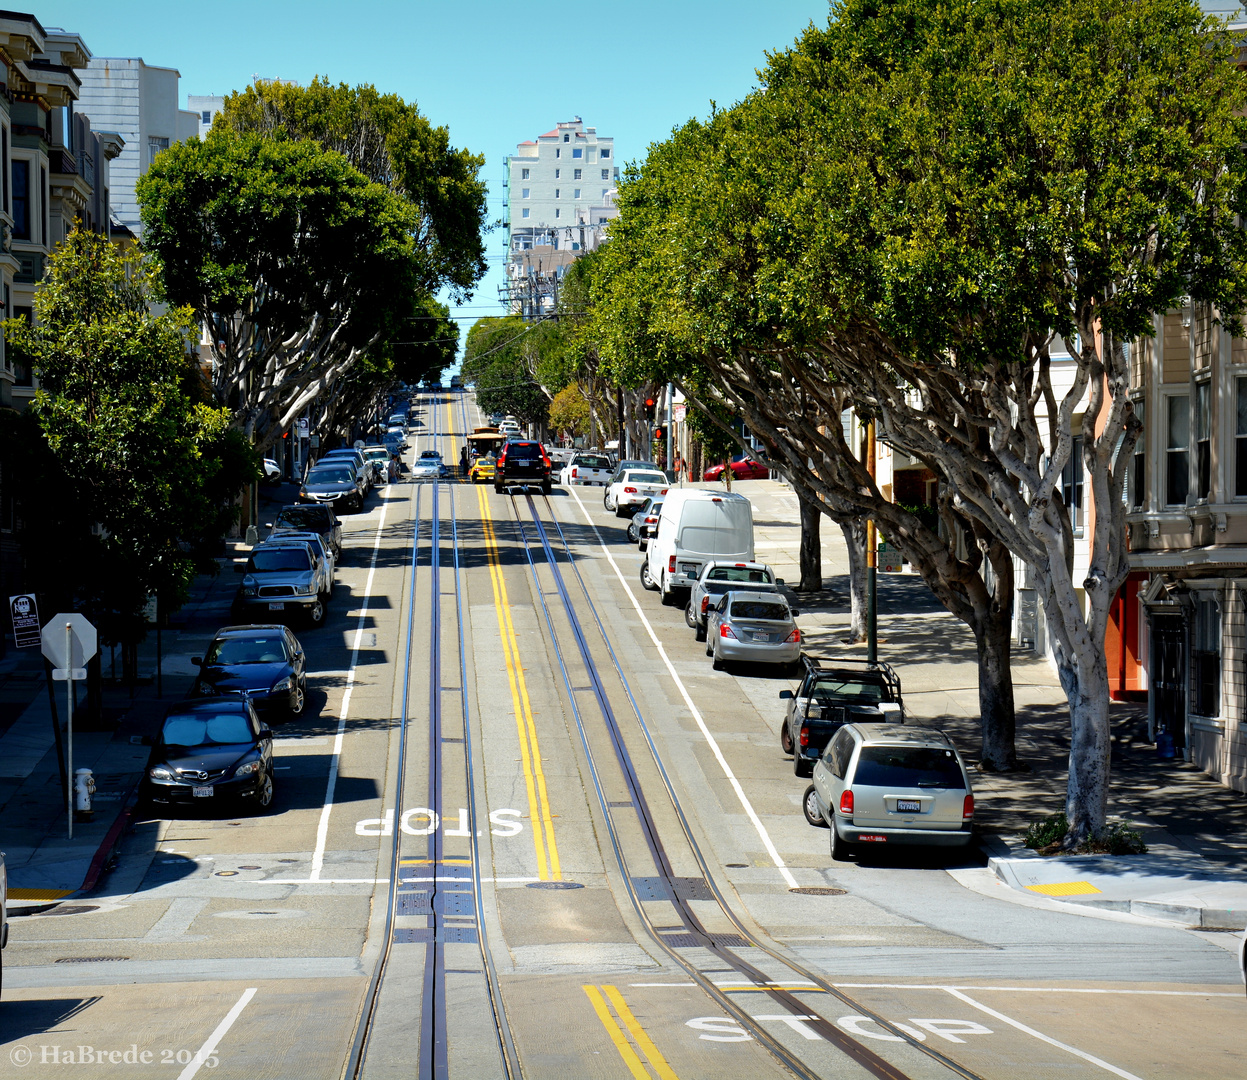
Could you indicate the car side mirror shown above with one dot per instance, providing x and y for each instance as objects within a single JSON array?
[
  {"x": 785, "y": 695},
  {"x": 266, "y": 733},
  {"x": 240, "y": 568},
  {"x": 795, "y": 612},
  {"x": 779, "y": 581},
  {"x": 197, "y": 661}
]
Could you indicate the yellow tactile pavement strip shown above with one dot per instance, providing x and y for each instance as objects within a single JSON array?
[{"x": 530, "y": 752}]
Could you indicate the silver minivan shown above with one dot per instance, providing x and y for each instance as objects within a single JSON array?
[{"x": 885, "y": 784}]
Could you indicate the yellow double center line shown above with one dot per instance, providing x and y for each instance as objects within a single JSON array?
[
  {"x": 530, "y": 753},
  {"x": 652, "y": 1054}
]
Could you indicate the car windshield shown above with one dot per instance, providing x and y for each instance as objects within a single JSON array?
[
  {"x": 740, "y": 573},
  {"x": 302, "y": 517},
  {"x": 277, "y": 559},
  {"x": 837, "y": 689},
  {"x": 759, "y": 609},
  {"x": 908, "y": 767},
  {"x": 431, "y": 454},
  {"x": 329, "y": 476},
  {"x": 234, "y": 650},
  {"x": 376, "y": 453},
  {"x": 217, "y": 729},
  {"x": 644, "y": 478},
  {"x": 592, "y": 461}
]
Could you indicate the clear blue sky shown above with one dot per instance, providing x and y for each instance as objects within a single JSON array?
[{"x": 495, "y": 73}]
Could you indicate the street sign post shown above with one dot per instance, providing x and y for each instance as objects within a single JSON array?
[
  {"x": 25, "y": 615},
  {"x": 69, "y": 643}
]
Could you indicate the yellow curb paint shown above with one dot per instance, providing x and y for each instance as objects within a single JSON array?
[
  {"x": 1065, "y": 888},
  {"x": 39, "y": 894}
]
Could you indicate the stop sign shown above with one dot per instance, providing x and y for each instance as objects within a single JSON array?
[{"x": 81, "y": 644}]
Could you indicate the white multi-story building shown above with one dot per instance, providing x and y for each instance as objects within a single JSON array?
[
  {"x": 140, "y": 103},
  {"x": 205, "y": 106},
  {"x": 560, "y": 191}
]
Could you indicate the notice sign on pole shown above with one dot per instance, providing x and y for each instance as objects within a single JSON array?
[{"x": 25, "y": 621}]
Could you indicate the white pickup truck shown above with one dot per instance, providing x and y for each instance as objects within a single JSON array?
[{"x": 587, "y": 469}]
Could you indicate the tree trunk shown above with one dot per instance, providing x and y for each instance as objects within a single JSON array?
[
  {"x": 996, "y": 707},
  {"x": 855, "y": 541},
  {"x": 1086, "y": 800},
  {"x": 811, "y": 555}
]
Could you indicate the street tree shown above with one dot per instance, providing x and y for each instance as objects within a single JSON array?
[
  {"x": 500, "y": 359},
  {"x": 141, "y": 468},
  {"x": 295, "y": 263}
]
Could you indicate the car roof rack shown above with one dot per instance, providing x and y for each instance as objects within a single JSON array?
[{"x": 826, "y": 664}]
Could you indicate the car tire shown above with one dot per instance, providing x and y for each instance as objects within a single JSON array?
[
  {"x": 298, "y": 700},
  {"x": 497, "y": 489},
  {"x": 643, "y": 545},
  {"x": 699, "y": 634},
  {"x": 690, "y": 619},
  {"x": 802, "y": 766},
  {"x": 809, "y": 807},
  {"x": 632, "y": 536},
  {"x": 264, "y": 797},
  {"x": 668, "y": 598},
  {"x": 546, "y": 487},
  {"x": 715, "y": 662},
  {"x": 709, "y": 648},
  {"x": 841, "y": 849},
  {"x": 785, "y": 739},
  {"x": 606, "y": 500},
  {"x": 316, "y": 613},
  {"x": 647, "y": 581}
]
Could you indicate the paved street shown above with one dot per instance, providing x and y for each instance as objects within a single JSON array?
[{"x": 525, "y": 819}]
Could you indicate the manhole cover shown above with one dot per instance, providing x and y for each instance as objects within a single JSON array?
[
  {"x": 71, "y": 909},
  {"x": 287, "y": 860},
  {"x": 281, "y": 913},
  {"x": 818, "y": 890},
  {"x": 88, "y": 959},
  {"x": 554, "y": 885},
  {"x": 249, "y": 868},
  {"x": 227, "y": 873},
  {"x": 736, "y": 865}
]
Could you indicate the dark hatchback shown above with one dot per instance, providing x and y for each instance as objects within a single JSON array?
[
  {"x": 265, "y": 662},
  {"x": 337, "y": 485},
  {"x": 522, "y": 463},
  {"x": 211, "y": 752},
  {"x": 319, "y": 519}
]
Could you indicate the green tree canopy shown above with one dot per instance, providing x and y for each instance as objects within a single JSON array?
[{"x": 500, "y": 359}]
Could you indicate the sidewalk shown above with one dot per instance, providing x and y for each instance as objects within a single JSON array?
[
  {"x": 1195, "y": 829},
  {"x": 43, "y": 864}
]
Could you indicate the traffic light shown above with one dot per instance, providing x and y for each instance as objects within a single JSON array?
[
  {"x": 660, "y": 433},
  {"x": 649, "y": 409}
]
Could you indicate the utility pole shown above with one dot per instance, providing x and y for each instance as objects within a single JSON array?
[
  {"x": 670, "y": 395},
  {"x": 872, "y": 559}
]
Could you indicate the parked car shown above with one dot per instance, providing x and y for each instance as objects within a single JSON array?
[
  {"x": 755, "y": 627},
  {"x": 887, "y": 784},
  {"x": 621, "y": 468},
  {"x": 317, "y": 517},
  {"x": 835, "y": 692},
  {"x": 743, "y": 468},
  {"x": 715, "y": 579},
  {"x": 356, "y": 457},
  {"x": 395, "y": 440},
  {"x": 397, "y": 420},
  {"x": 4, "y": 912},
  {"x": 634, "y": 487},
  {"x": 379, "y": 458},
  {"x": 645, "y": 521},
  {"x": 586, "y": 469},
  {"x": 483, "y": 468},
  {"x": 264, "y": 662},
  {"x": 272, "y": 471},
  {"x": 694, "y": 528},
  {"x": 318, "y": 545},
  {"x": 285, "y": 576},
  {"x": 217, "y": 750},
  {"x": 339, "y": 485},
  {"x": 428, "y": 466},
  {"x": 522, "y": 462},
  {"x": 456, "y": 382}
]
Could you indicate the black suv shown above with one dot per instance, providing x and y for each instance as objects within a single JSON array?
[
  {"x": 522, "y": 463},
  {"x": 835, "y": 692}
]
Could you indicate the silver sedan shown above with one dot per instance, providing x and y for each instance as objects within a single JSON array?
[{"x": 753, "y": 627}]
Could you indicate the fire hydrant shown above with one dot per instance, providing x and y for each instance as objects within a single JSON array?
[{"x": 84, "y": 788}]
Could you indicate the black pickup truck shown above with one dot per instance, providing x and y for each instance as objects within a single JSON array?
[
  {"x": 835, "y": 692},
  {"x": 522, "y": 462}
]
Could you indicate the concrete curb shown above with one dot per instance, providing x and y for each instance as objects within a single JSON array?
[{"x": 111, "y": 840}]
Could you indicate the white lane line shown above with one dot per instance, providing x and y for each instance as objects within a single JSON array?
[
  {"x": 364, "y": 880},
  {"x": 322, "y": 829},
  {"x": 1037, "y": 989},
  {"x": 210, "y": 1046},
  {"x": 688, "y": 700},
  {"x": 1091, "y": 1058}
]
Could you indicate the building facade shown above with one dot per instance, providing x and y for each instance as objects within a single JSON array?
[
  {"x": 140, "y": 103},
  {"x": 205, "y": 106},
  {"x": 560, "y": 196}
]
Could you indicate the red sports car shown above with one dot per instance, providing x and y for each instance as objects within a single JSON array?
[{"x": 743, "y": 468}]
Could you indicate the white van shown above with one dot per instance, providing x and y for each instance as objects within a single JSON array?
[{"x": 696, "y": 527}]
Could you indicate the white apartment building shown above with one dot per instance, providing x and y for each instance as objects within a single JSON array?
[
  {"x": 140, "y": 103},
  {"x": 560, "y": 195},
  {"x": 205, "y": 106}
]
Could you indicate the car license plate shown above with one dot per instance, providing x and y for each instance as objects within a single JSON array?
[
  {"x": 874, "y": 839},
  {"x": 761, "y": 637},
  {"x": 202, "y": 792},
  {"x": 277, "y": 607},
  {"x": 911, "y": 805}
]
